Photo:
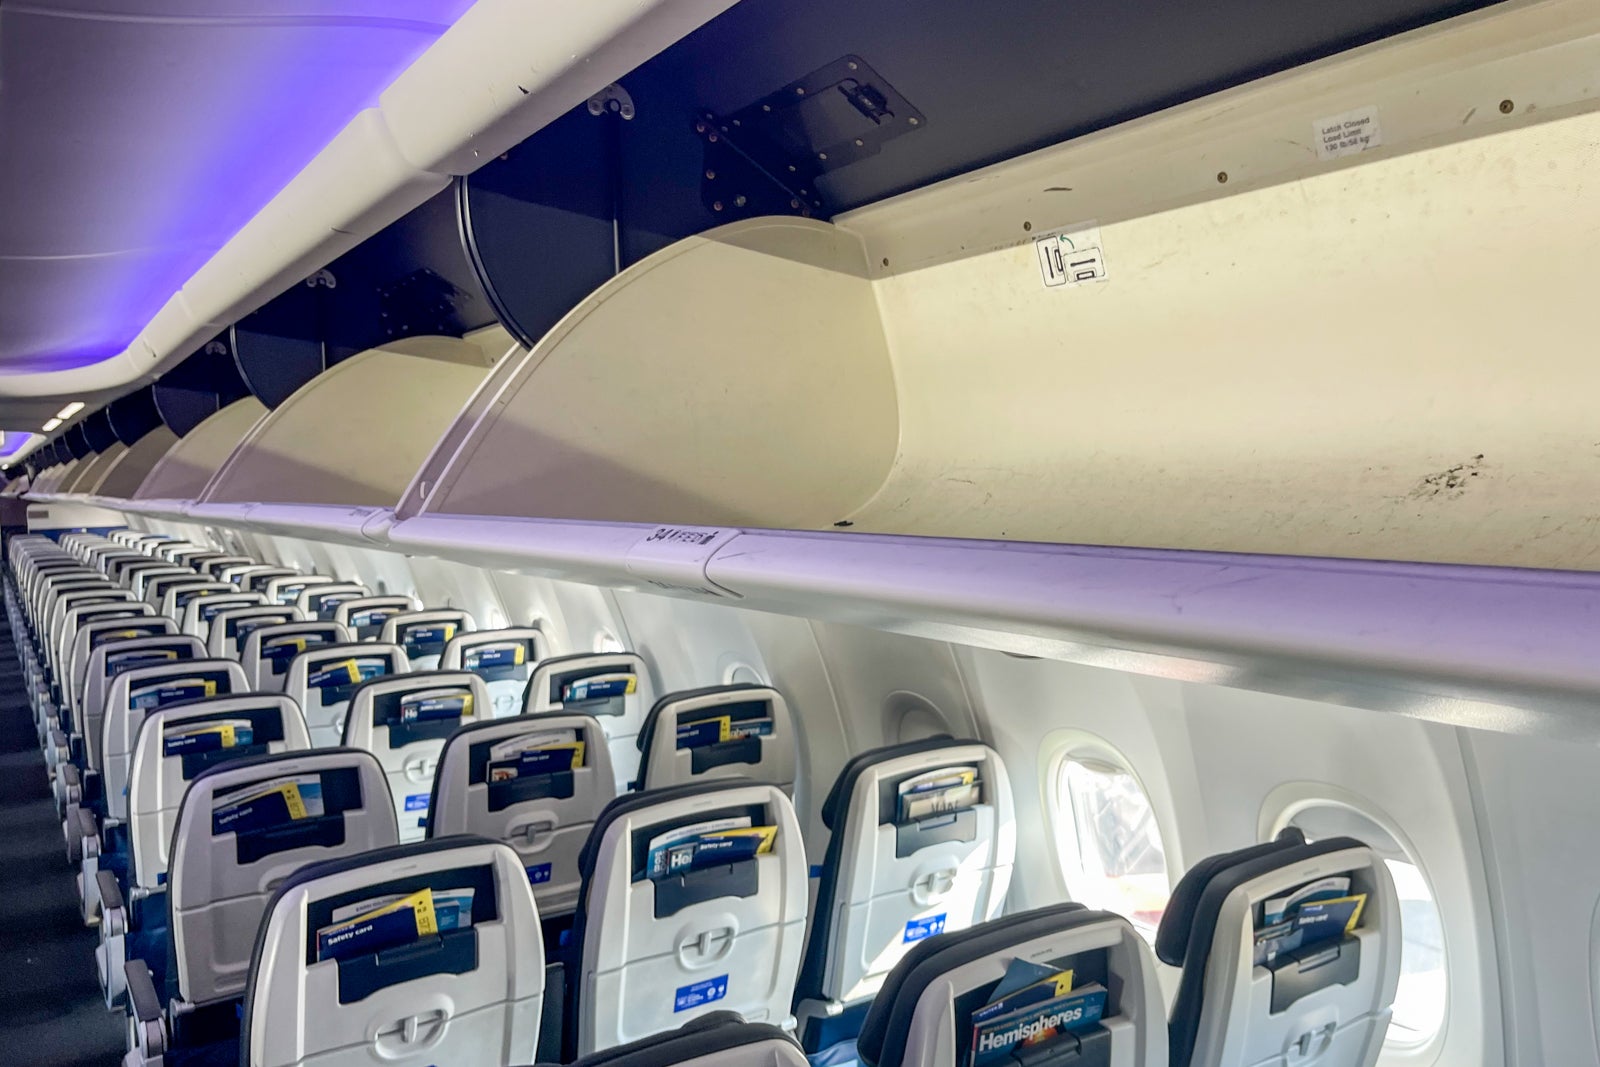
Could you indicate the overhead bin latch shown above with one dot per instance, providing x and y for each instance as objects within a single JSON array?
[{"x": 765, "y": 158}]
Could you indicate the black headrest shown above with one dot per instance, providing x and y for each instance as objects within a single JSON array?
[
  {"x": 882, "y": 1041},
  {"x": 1172, "y": 937},
  {"x": 718, "y": 1031},
  {"x": 845, "y": 784},
  {"x": 647, "y": 732}
]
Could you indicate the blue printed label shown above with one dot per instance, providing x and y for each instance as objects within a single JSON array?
[
  {"x": 598, "y": 689},
  {"x": 921, "y": 929},
  {"x": 539, "y": 874},
  {"x": 700, "y": 994},
  {"x": 484, "y": 658},
  {"x": 419, "y": 802}
]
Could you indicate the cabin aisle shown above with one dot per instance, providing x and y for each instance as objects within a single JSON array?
[{"x": 51, "y": 1014}]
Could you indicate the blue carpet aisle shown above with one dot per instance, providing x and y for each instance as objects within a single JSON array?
[{"x": 51, "y": 1014}]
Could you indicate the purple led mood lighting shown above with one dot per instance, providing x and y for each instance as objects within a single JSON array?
[
  {"x": 13, "y": 441},
  {"x": 255, "y": 109}
]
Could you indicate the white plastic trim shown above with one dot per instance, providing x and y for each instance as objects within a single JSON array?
[{"x": 504, "y": 70}]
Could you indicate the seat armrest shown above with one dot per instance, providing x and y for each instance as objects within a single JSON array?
[
  {"x": 88, "y": 826},
  {"x": 83, "y": 835},
  {"x": 144, "y": 1004},
  {"x": 113, "y": 911}
]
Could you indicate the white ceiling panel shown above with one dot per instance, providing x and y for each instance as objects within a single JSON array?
[{"x": 137, "y": 136}]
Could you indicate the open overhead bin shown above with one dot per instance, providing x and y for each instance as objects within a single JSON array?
[
  {"x": 94, "y": 469},
  {"x": 183, "y": 470},
  {"x": 145, "y": 439},
  {"x": 356, "y": 433},
  {"x": 645, "y": 404}
]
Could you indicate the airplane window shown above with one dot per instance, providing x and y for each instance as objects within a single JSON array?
[
  {"x": 743, "y": 674},
  {"x": 1108, "y": 841},
  {"x": 606, "y": 641},
  {"x": 1419, "y": 1002}
]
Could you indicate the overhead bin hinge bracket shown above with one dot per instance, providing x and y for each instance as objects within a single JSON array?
[
  {"x": 421, "y": 302},
  {"x": 765, "y": 158},
  {"x": 612, "y": 100}
]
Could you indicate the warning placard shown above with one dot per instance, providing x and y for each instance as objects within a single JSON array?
[{"x": 1349, "y": 133}]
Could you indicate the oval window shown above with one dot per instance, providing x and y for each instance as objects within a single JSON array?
[
  {"x": 1107, "y": 838},
  {"x": 1420, "y": 1000}
]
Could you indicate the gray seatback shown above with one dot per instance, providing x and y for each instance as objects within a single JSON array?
[
  {"x": 221, "y": 877},
  {"x": 177, "y": 744},
  {"x": 546, "y": 818},
  {"x": 471, "y": 993}
]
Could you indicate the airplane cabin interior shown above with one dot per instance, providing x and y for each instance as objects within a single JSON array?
[{"x": 799, "y": 533}]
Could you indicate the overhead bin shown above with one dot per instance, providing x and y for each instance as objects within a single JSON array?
[
  {"x": 645, "y": 404},
  {"x": 356, "y": 433},
  {"x": 122, "y": 478},
  {"x": 99, "y": 448},
  {"x": 184, "y": 469},
  {"x": 94, "y": 469}
]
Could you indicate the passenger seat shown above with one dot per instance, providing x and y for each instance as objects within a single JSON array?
[
  {"x": 503, "y": 658},
  {"x": 467, "y": 988},
  {"x": 547, "y": 817},
  {"x": 424, "y": 635},
  {"x": 718, "y": 732},
  {"x": 268, "y": 649},
  {"x": 895, "y": 875},
  {"x": 174, "y": 746},
  {"x": 198, "y": 613},
  {"x": 323, "y": 679},
  {"x": 366, "y": 615},
  {"x": 232, "y": 623},
  {"x": 611, "y": 686},
  {"x": 923, "y": 1016},
  {"x": 404, "y": 719},
  {"x": 286, "y": 588},
  {"x": 243, "y": 828},
  {"x": 656, "y": 947},
  {"x": 320, "y": 602},
  {"x": 132, "y": 696},
  {"x": 1260, "y": 988}
]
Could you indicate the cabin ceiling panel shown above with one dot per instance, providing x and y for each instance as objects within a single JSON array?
[{"x": 201, "y": 109}]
